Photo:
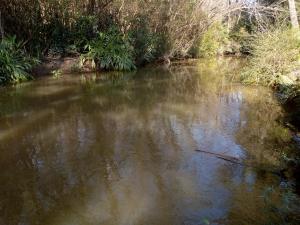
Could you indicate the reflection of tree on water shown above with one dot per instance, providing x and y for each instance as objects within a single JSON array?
[
  {"x": 266, "y": 141},
  {"x": 61, "y": 175},
  {"x": 273, "y": 136}
]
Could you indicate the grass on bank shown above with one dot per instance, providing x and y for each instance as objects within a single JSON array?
[{"x": 274, "y": 59}]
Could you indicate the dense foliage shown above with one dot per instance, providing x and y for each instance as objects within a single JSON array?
[
  {"x": 275, "y": 55},
  {"x": 14, "y": 63},
  {"x": 110, "y": 50},
  {"x": 62, "y": 27},
  {"x": 213, "y": 40}
]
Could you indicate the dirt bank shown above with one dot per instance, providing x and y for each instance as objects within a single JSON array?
[{"x": 66, "y": 65}]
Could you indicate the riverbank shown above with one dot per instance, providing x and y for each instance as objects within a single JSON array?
[{"x": 66, "y": 65}]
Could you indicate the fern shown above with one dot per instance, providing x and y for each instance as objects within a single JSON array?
[
  {"x": 14, "y": 64},
  {"x": 111, "y": 50}
]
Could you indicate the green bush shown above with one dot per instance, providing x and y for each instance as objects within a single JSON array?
[
  {"x": 274, "y": 55},
  {"x": 111, "y": 50},
  {"x": 58, "y": 37},
  {"x": 212, "y": 41},
  {"x": 14, "y": 63},
  {"x": 242, "y": 37},
  {"x": 65, "y": 40},
  {"x": 144, "y": 42},
  {"x": 84, "y": 31}
]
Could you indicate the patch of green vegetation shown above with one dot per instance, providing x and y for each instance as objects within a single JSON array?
[
  {"x": 274, "y": 56},
  {"x": 56, "y": 74},
  {"x": 14, "y": 63},
  {"x": 84, "y": 31},
  {"x": 144, "y": 42},
  {"x": 213, "y": 41},
  {"x": 111, "y": 50},
  {"x": 240, "y": 39}
]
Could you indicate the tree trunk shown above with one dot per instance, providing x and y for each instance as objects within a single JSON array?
[
  {"x": 1, "y": 28},
  {"x": 293, "y": 14}
]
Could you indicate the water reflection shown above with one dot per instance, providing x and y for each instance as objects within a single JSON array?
[{"x": 122, "y": 152}]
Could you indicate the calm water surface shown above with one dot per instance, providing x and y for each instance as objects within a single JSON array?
[{"x": 120, "y": 148}]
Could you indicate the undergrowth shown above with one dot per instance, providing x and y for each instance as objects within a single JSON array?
[
  {"x": 14, "y": 63},
  {"x": 111, "y": 50},
  {"x": 274, "y": 56}
]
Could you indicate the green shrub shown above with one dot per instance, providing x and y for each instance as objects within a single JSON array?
[
  {"x": 14, "y": 64},
  {"x": 144, "y": 42},
  {"x": 57, "y": 38},
  {"x": 242, "y": 38},
  {"x": 84, "y": 31},
  {"x": 275, "y": 54},
  {"x": 212, "y": 41},
  {"x": 111, "y": 50}
]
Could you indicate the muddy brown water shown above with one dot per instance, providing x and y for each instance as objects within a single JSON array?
[{"x": 119, "y": 148}]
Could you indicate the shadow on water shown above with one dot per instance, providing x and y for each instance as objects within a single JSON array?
[{"x": 119, "y": 148}]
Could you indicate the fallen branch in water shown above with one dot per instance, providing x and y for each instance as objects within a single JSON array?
[
  {"x": 235, "y": 160},
  {"x": 222, "y": 156}
]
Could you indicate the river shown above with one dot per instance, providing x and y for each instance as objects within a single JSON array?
[{"x": 119, "y": 148}]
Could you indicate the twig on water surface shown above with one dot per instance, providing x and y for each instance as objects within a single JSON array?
[
  {"x": 235, "y": 160},
  {"x": 222, "y": 156}
]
